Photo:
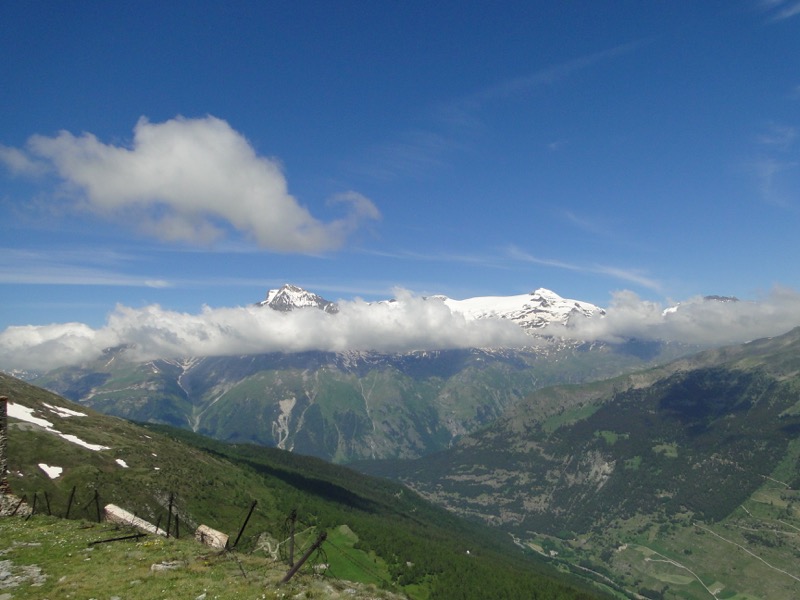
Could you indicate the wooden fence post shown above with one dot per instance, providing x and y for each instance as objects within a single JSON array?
[
  {"x": 4, "y": 489},
  {"x": 69, "y": 502},
  {"x": 249, "y": 514},
  {"x": 169, "y": 513},
  {"x": 292, "y": 521},
  {"x": 33, "y": 508},
  {"x": 97, "y": 505},
  {"x": 304, "y": 558}
]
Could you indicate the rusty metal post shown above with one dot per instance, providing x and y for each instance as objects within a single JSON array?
[{"x": 4, "y": 489}]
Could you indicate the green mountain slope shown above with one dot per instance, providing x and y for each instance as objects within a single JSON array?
[
  {"x": 380, "y": 533},
  {"x": 707, "y": 447},
  {"x": 339, "y": 406}
]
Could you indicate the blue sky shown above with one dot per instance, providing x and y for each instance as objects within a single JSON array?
[{"x": 185, "y": 154}]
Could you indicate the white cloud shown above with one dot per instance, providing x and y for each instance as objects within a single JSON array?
[
  {"x": 696, "y": 321},
  {"x": 411, "y": 323},
  {"x": 20, "y": 163},
  {"x": 188, "y": 180}
]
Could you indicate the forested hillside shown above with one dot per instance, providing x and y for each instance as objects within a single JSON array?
[{"x": 647, "y": 459}]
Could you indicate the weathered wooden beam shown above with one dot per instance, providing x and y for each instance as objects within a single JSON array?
[
  {"x": 120, "y": 516},
  {"x": 211, "y": 537}
]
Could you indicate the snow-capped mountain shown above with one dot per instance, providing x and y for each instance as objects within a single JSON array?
[
  {"x": 289, "y": 297},
  {"x": 355, "y": 404},
  {"x": 535, "y": 310}
]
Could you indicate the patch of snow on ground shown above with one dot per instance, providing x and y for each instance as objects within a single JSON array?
[
  {"x": 52, "y": 472},
  {"x": 23, "y": 413},
  {"x": 76, "y": 440},
  {"x": 122, "y": 463},
  {"x": 63, "y": 412}
]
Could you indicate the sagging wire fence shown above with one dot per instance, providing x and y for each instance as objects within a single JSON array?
[
  {"x": 301, "y": 547},
  {"x": 94, "y": 510}
]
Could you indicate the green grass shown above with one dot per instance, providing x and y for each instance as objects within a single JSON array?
[
  {"x": 63, "y": 556},
  {"x": 347, "y": 562}
]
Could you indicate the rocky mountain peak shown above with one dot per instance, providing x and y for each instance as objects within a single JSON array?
[{"x": 290, "y": 297}]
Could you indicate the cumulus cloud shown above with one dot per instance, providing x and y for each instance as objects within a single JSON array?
[
  {"x": 410, "y": 323},
  {"x": 189, "y": 180}
]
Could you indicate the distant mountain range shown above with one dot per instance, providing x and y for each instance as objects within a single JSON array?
[
  {"x": 535, "y": 310},
  {"x": 345, "y": 406}
]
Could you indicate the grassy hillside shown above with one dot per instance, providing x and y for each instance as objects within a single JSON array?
[
  {"x": 49, "y": 557},
  {"x": 380, "y": 534}
]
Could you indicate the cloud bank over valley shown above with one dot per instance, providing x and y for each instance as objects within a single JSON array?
[{"x": 410, "y": 323}]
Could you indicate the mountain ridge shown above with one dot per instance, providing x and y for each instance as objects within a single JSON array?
[{"x": 534, "y": 310}]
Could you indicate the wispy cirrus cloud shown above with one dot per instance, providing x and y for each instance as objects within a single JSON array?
[
  {"x": 188, "y": 180},
  {"x": 454, "y": 124},
  {"x": 483, "y": 260},
  {"x": 552, "y": 74},
  {"x": 634, "y": 276},
  {"x": 777, "y": 166},
  {"x": 591, "y": 225},
  {"x": 500, "y": 260},
  {"x": 71, "y": 267},
  {"x": 780, "y": 10},
  {"x": 778, "y": 136}
]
